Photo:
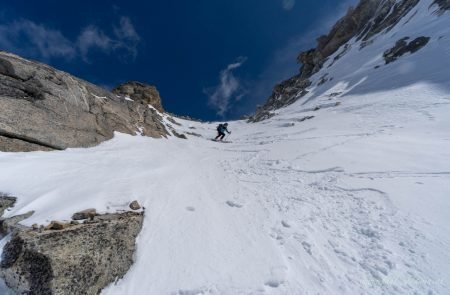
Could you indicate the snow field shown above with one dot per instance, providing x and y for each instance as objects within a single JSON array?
[{"x": 353, "y": 200}]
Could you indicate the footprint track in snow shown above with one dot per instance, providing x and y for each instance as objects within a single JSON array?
[
  {"x": 233, "y": 204},
  {"x": 358, "y": 221},
  {"x": 277, "y": 278}
]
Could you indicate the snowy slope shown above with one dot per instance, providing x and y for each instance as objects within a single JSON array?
[
  {"x": 348, "y": 202},
  {"x": 354, "y": 200}
]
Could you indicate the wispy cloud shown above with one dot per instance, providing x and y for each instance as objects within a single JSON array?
[
  {"x": 288, "y": 4},
  {"x": 28, "y": 38},
  {"x": 124, "y": 39},
  {"x": 127, "y": 36},
  {"x": 229, "y": 89},
  {"x": 92, "y": 38},
  {"x": 126, "y": 30}
]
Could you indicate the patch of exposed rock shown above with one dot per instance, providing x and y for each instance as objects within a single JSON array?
[
  {"x": 42, "y": 108},
  {"x": 194, "y": 134},
  {"x": 402, "y": 47},
  {"x": 172, "y": 120},
  {"x": 9, "y": 224},
  {"x": 85, "y": 214},
  {"x": 173, "y": 130},
  {"x": 179, "y": 135},
  {"x": 365, "y": 21},
  {"x": 283, "y": 94},
  {"x": 6, "y": 201},
  {"x": 71, "y": 258},
  {"x": 443, "y": 5},
  {"x": 141, "y": 93}
]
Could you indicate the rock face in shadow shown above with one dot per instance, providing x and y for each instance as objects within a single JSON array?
[
  {"x": 77, "y": 259},
  {"x": 42, "y": 108},
  {"x": 141, "y": 93},
  {"x": 364, "y": 22}
]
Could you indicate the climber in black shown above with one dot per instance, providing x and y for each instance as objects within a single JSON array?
[{"x": 221, "y": 129}]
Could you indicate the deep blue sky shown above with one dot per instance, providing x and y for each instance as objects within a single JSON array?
[{"x": 210, "y": 59}]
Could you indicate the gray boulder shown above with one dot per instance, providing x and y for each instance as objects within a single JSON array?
[
  {"x": 73, "y": 259},
  {"x": 85, "y": 214},
  {"x": 42, "y": 108},
  {"x": 135, "y": 205}
]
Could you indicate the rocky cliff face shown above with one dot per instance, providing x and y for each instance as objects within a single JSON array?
[
  {"x": 42, "y": 108},
  {"x": 364, "y": 22},
  {"x": 141, "y": 93}
]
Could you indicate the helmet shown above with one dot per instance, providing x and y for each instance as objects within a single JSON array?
[{"x": 226, "y": 124}]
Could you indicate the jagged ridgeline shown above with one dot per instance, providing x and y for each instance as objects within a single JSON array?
[
  {"x": 46, "y": 109},
  {"x": 363, "y": 22}
]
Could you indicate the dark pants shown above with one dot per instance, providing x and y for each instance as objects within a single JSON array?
[{"x": 220, "y": 136}]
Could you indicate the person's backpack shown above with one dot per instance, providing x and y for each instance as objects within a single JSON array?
[{"x": 220, "y": 127}]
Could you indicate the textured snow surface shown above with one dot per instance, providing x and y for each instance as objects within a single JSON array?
[{"x": 355, "y": 200}]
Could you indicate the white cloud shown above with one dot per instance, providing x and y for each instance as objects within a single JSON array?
[
  {"x": 25, "y": 37},
  {"x": 28, "y": 38},
  {"x": 126, "y": 30},
  {"x": 127, "y": 36},
  {"x": 91, "y": 37},
  {"x": 125, "y": 40},
  {"x": 221, "y": 96},
  {"x": 288, "y": 4}
]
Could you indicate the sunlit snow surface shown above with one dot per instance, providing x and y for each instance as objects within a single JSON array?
[{"x": 353, "y": 201}]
